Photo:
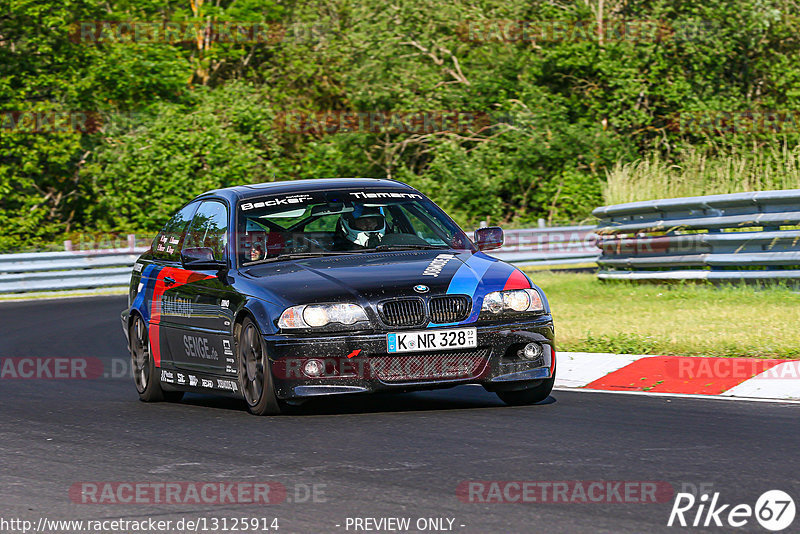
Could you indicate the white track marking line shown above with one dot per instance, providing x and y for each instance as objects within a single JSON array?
[
  {"x": 680, "y": 395},
  {"x": 576, "y": 369},
  {"x": 779, "y": 382}
]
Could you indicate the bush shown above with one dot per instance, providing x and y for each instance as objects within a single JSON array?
[{"x": 150, "y": 164}]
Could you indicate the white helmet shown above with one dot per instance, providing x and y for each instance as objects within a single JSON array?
[{"x": 362, "y": 224}]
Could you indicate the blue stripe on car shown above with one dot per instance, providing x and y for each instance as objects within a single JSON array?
[
  {"x": 477, "y": 277},
  {"x": 148, "y": 278},
  {"x": 493, "y": 278},
  {"x": 466, "y": 281},
  {"x": 496, "y": 278}
]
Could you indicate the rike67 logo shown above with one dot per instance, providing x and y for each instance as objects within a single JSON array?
[{"x": 774, "y": 510}]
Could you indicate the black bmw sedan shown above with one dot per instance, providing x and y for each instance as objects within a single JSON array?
[{"x": 278, "y": 292}]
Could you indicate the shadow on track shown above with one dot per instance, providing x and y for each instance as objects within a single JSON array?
[{"x": 459, "y": 398}]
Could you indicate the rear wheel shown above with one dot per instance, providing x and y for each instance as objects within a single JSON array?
[
  {"x": 144, "y": 372},
  {"x": 532, "y": 395},
  {"x": 255, "y": 376}
]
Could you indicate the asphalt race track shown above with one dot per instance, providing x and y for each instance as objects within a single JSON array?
[{"x": 390, "y": 456}]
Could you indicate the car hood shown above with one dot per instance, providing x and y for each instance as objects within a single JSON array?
[{"x": 372, "y": 277}]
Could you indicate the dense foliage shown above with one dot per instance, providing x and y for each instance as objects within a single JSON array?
[{"x": 602, "y": 84}]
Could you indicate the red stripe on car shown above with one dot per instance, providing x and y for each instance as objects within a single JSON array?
[
  {"x": 181, "y": 277},
  {"x": 517, "y": 280}
]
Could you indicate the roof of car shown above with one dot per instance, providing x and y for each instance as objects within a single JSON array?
[{"x": 239, "y": 192}]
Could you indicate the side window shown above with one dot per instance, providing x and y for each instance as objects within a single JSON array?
[
  {"x": 209, "y": 229},
  {"x": 391, "y": 224},
  {"x": 396, "y": 220},
  {"x": 167, "y": 244},
  {"x": 425, "y": 231}
]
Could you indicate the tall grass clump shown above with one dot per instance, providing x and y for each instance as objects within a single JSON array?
[{"x": 696, "y": 172}]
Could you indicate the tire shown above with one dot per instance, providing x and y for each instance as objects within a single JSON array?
[
  {"x": 524, "y": 397},
  {"x": 145, "y": 378},
  {"x": 255, "y": 375}
]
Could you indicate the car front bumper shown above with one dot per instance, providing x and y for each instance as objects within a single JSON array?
[
  {"x": 124, "y": 317},
  {"x": 361, "y": 364}
]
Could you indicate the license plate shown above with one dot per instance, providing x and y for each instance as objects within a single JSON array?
[{"x": 419, "y": 340}]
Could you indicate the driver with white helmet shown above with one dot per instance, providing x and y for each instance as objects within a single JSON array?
[{"x": 365, "y": 226}]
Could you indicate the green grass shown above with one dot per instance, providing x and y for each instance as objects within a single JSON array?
[
  {"x": 74, "y": 293},
  {"x": 681, "y": 319},
  {"x": 695, "y": 173}
]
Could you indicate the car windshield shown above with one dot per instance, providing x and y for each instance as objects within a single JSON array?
[{"x": 287, "y": 226}]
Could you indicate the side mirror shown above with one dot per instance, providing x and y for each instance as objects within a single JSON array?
[
  {"x": 489, "y": 238},
  {"x": 201, "y": 259}
]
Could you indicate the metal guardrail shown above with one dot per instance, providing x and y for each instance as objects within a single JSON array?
[
  {"x": 718, "y": 237},
  {"x": 737, "y": 236},
  {"x": 549, "y": 246},
  {"x": 111, "y": 268},
  {"x": 54, "y": 271}
]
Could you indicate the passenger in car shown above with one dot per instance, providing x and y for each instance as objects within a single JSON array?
[{"x": 256, "y": 252}]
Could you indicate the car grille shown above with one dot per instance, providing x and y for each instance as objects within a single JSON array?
[
  {"x": 403, "y": 312},
  {"x": 450, "y": 309},
  {"x": 412, "y": 311},
  {"x": 429, "y": 366}
]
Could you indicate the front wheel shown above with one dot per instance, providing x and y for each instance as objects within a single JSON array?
[
  {"x": 144, "y": 371},
  {"x": 255, "y": 376},
  {"x": 532, "y": 395}
]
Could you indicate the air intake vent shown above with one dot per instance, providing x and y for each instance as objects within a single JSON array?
[
  {"x": 403, "y": 312},
  {"x": 450, "y": 309},
  {"x": 430, "y": 366}
]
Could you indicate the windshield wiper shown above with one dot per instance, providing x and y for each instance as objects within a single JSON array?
[
  {"x": 295, "y": 256},
  {"x": 409, "y": 247}
]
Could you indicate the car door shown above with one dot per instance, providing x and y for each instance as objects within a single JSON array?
[
  {"x": 162, "y": 263},
  {"x": 200, "y": 304}
]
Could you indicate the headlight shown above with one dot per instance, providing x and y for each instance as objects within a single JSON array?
[
  {"x": 493, "y": 302},
  {"x": 518, "y": 300},
  {"x": 318, "y": 315}
]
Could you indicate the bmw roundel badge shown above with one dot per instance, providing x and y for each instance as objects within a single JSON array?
[{"x": 421, "y": 288}]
